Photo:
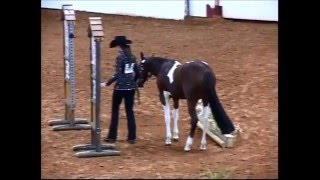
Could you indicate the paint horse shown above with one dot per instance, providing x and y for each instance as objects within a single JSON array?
[{"x": 192, "y": 81}]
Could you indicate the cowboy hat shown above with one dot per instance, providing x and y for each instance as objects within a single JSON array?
[{"x": 119, "y": 40}]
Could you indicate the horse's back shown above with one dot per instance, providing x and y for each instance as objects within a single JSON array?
[
  {"x": 196, "y": 68},
  {"x": 192, "y": 76}
]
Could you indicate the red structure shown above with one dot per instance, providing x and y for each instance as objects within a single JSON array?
[{"x": 217, "y": 10}]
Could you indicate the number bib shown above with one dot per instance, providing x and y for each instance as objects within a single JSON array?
[{"x": 128, "y": 68}]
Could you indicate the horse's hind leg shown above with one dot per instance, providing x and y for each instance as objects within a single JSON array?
[
  {"x": 203, "y": 143},
  {"x": 194, "y": 120},
  {"x": 175, "y": 119}
]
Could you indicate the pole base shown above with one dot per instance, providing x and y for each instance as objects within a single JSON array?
[
  {"x": 93, "y": 153},
  {"x": 224, "y": 140},
  {"x": 63, "y": 121},
  {"x": 87, "y": 147},
  {"x": 69, "y": 127}
]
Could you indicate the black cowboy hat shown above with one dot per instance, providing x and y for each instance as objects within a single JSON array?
[{"x": 119, "y": 40}]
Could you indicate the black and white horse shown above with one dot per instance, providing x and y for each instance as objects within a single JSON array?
[{"x": 192, "y": 81}]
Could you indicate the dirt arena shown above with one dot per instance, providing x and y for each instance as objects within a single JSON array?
[{"x": 244, "y": 56}]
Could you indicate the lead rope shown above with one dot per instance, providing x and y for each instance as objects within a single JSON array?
[{"x": 138, "y": 94}]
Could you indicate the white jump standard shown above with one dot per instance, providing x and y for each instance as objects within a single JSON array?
[
  {"x": 95, "y": 149},
  {"x": 69, "y": 122}
]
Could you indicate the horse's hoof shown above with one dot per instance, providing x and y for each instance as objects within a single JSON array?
[
  {"x": 203, "y": 147},
  {"x": 175, "y": 136},
  {"x": 187, "y": 149},
  {"x": 168, "y": 141},
  {"x": 176, "y": 139}
]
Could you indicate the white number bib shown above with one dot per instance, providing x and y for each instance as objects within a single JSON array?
[{"x": 128, "y": 68}]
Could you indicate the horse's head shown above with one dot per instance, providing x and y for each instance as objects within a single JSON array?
[{"x": 145, "y": 70}]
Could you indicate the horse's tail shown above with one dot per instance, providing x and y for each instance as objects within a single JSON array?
[{"x": 221, "y": 117}]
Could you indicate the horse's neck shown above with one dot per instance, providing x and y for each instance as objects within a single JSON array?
[{"x": 156, "y": 68}]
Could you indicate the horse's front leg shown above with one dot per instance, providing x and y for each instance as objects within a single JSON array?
[
  {"x": 164, "y": 98},
  {"x": 175, "y": 119}
]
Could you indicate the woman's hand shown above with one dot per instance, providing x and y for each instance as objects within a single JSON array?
[{"x": 103, "y": 84}]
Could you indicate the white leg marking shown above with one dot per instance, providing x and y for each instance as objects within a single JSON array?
[
  {"x": 167, "y": 117},
  {"x": 199, "y": 108},
  {"x": 203, "y": 145},
  {"x": 175, "y": 125},
  {"x": 188, "y": 144}
]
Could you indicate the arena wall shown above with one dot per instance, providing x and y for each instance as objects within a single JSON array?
[
  {"x": 164, "y": 9},
  {"x": 266, "y": 10}
]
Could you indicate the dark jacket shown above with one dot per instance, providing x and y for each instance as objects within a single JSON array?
[{"x": 126, "y": 72}]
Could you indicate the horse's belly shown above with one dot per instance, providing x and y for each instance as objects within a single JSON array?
[{"x": 178, "y": 94}]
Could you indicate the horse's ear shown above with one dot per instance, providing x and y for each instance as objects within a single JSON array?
[{"x": 141, "y": 56}]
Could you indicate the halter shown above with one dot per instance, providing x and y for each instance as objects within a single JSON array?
[{"x": 148, "y": 73}]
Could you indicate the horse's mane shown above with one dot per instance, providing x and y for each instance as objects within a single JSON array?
[{"x": 161, "y": 60}]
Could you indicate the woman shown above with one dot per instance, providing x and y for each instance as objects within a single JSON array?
[{"x": 126, "y": 75}]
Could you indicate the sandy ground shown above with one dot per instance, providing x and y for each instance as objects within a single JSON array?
[{"x": 244, "y": 56}]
